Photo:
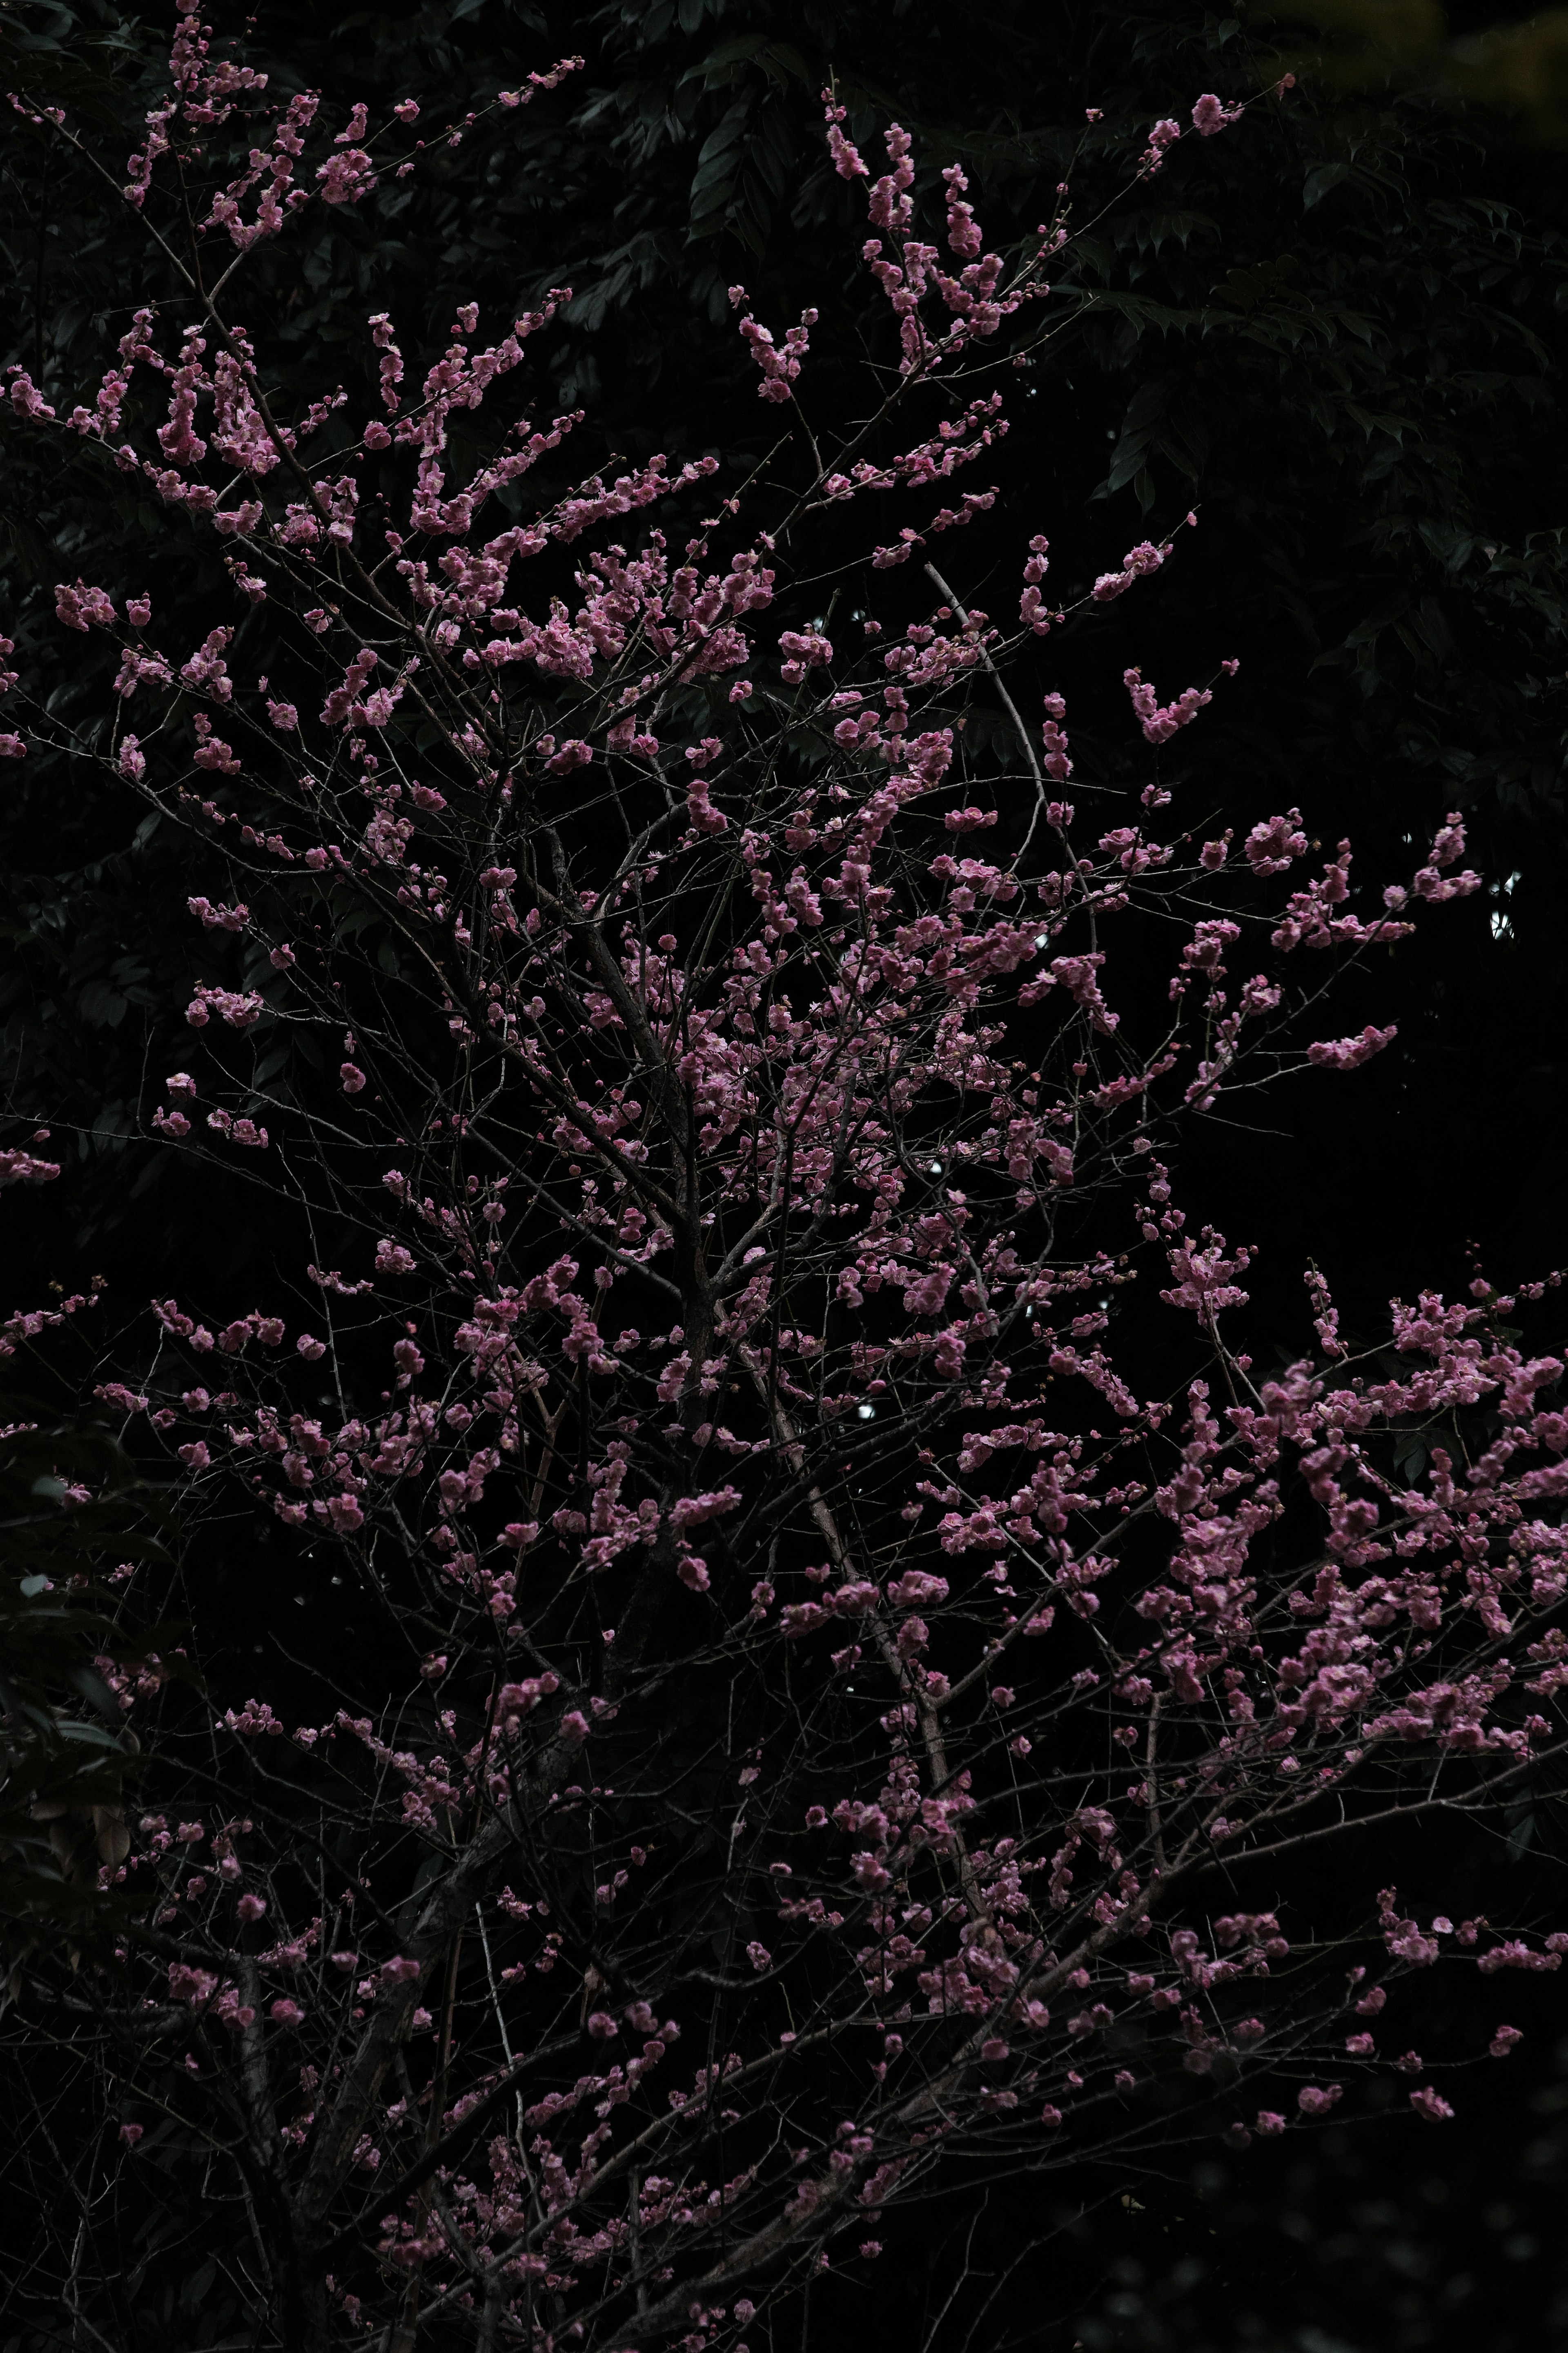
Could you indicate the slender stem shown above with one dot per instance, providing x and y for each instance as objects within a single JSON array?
[{"x": 1012, "y": 710}]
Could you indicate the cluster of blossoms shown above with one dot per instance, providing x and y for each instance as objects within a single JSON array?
[{"x": 763, "y": 1140}]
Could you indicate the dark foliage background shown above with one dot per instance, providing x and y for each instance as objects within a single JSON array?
[{"x": 1338, "y": 335}]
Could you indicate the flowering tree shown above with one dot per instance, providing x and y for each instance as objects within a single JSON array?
[{"x": 819, "y": 1717}]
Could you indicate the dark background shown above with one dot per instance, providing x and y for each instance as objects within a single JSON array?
[{"x": 1337, "y": 332}]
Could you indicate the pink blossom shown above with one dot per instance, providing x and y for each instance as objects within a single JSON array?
[
  {"x": 691, "y": 1511},
  {"x": 1211, "y": 114},
  {"x": 1274, "y": 842},
  {"x": 239, "y": 1010},
  {"x": 847, "y": 159},
  {"x": 1160, "y": 725},
  {"x": 1136, "y": 564},
  {"x": 1349, "y": 1054},
  {"x": 779, "y": 363},
  {"x": 346, "y": 179},
  {"x": 80, "y": 607}
]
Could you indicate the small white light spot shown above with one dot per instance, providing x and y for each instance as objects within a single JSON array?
[{"x": 866, "y": 1412}]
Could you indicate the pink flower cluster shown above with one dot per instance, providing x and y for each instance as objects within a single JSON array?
[{"x": 707, "y": 1146}]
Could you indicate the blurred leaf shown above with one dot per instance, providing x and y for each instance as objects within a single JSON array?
[
  {"x": 63, "y": 1777},
  {"x": 1519, "y": 71}
]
